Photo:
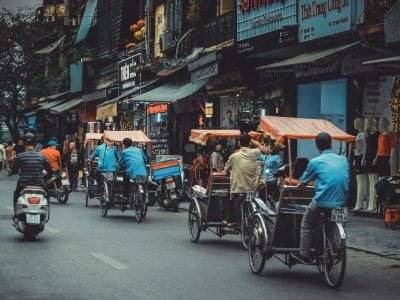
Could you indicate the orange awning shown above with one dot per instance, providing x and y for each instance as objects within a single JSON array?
[
  {"x": 93, "y": 136},
  {"x": 201, "y": 136},
  {"x": 136, "y": 136},
  {"x": 280, "y": 128}
]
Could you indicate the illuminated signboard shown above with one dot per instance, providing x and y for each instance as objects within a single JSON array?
[{"x": 157, "y": 109}]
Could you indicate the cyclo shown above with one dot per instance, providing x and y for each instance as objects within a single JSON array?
[
  {"x": 206, "y": 209},
  {"x": 113, "y": 183},
  {"x": 275, "y": 228},
  {"x": 92, "y": 190}
]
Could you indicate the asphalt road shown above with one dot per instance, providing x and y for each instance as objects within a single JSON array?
[{"x": 84, "y": 256}]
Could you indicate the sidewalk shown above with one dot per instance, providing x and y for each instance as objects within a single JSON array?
[{"x": 370, "y": 235}]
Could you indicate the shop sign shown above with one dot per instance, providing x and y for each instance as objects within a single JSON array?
[
  {"x": 128, "y": 78},
  {"x": 281, "y": 38},
  {"x": 209, "y": 110},
  {"x": 157, "y": 109},
  {"x": 314, "y": 70},
  {"x": 106, "y": 111},
  {"x": 258, "y": 17},
  {"x": 377, "y": 96},
  {"x": 320, "y": 18}
]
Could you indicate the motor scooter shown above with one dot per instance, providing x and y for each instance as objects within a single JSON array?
[
  {"x": 58, "y": 187},
  {"x": 32, "y": 212}
]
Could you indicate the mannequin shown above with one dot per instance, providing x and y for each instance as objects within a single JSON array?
[
  {"x": 370, "y": 155},
  {"x": 359, "y": 164},
  {"x": 385, "y": 145}
]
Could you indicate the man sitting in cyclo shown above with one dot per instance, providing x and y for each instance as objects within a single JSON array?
[
  {"x": 133, "y": 160},
  {"x": 331, "y": 175},
  {"x": 107, "y": 160}
]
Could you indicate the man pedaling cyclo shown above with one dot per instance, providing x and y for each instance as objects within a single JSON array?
[
  {"x": 330, "y": 172},
  {"x": 133, "y": 160},
  {"x": 30, "y": 165}
]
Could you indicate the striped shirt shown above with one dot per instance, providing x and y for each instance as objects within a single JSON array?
[{"x": 30, "y": 165}]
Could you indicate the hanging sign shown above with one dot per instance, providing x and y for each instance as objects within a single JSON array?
[
  {"x": 128, "y": 78},
  {"x": 209, "y": 109}
]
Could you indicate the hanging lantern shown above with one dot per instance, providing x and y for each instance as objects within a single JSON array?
[
  {"x": 141, "y": 23},
  {"x": 134, "y": 27},
  {"x": 138, "y": 35}
]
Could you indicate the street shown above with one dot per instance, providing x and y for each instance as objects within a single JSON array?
[{"x": 81, "y": 255}]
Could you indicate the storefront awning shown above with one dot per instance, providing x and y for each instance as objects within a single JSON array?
[
  {"x": 308, "y": 58},
  {"x": 66, "y": 106},
  {"x": 171, "y": 92},
  {"x": 50, "y": 48},
  {"x": 383, "y": 61},
  {"x": 50, "y": 104},
  {"x": 86, "y": 20}
]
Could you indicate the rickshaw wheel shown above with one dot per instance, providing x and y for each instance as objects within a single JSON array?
[
  {"x": 258, "y": 245},
  {"x": 87, "y": 192},
  {"x": 244, "y": 225},
  {"x": 335, "y": 261},
  {"x": 194, "y": 223},
  {"x": 140, "y": 206}
]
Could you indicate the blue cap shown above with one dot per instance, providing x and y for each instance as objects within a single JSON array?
[{"x": 52, "y": 143}]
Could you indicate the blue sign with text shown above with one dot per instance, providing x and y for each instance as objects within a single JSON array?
[
  {"x": 320, "y": 18},
  {"x": 258, "y": 17}
]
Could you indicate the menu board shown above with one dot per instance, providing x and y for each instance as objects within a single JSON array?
[{"x": 158, "y": 133}]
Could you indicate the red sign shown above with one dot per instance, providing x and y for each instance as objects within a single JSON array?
[
  {"x": 157, "y": 109},
  {"x": 247, "y": 5}
]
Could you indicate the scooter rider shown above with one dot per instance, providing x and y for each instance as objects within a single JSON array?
[
  {"x": 331, "y": 175},
  {"x": 133, "y": 160},
  {"x": 30, "y": 165}
]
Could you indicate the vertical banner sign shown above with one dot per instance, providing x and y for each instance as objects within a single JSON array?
[
  {"x": 209, "y": 109},
  {"x": 128, "y": 78},
  {"x": 321, "y": 18}
]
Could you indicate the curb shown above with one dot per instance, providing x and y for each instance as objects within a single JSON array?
[{"x": 372, "y": 252}]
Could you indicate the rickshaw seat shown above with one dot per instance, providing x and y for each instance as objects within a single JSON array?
[{"x": 219, "y": 184}]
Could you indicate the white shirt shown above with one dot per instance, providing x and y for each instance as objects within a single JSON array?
[{"x": 360, "y": 144}]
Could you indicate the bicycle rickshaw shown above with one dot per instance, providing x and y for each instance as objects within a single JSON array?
[
  {"x": 275, "y": 228},
  {"x": 92, "y": 190},
  {"x": 207, "y": 206},
  {"x": 113, "y": 182}
]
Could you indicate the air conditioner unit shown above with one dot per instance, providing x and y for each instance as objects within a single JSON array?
[{"x": 167, "y": 41}]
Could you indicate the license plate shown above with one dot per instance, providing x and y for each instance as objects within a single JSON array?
[
  {"x": 339, "y": 214},
  {"x": 171, "y": 185},
  {"x": 109, "y": 176},
  {"x": 64, "y": 181},
  {"x": 32, "y": 219}
]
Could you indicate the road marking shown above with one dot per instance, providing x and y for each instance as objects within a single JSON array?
[
  {"x": 51, "y": 229},
  {"x": 110, "y": 261}
]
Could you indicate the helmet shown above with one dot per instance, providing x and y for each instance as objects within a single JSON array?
[{"x": 29, "y": 139}]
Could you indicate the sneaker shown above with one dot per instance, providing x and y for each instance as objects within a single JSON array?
[{"x": 304, "y": 259}]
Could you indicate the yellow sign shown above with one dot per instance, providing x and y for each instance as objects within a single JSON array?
[{"x": 107, "y": 110}]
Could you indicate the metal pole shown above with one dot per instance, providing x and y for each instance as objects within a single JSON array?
[{"x": 290, "y": 159}]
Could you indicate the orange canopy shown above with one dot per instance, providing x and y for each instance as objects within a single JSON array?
[
  {"x": 280, "y": 128},
  {"x": 93, "y": 136},
  {"x": 136, "y": 136},
  {"x": 201, "y": 136}
]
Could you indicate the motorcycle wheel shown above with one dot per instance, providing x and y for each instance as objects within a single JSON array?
[{"x": 63, "y": 195}]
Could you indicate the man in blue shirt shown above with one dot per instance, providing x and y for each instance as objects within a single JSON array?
[
  {"x": 134, "y": 161},
  {"x": 331, "y": 175},
  {"x": 107, "y": 161}
]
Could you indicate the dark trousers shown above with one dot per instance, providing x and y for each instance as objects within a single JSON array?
[
  {"x": 308, "y": 225},
  {"x": 73, "y": 172},
  {"x": 235, "y": 202},
  {"x": 127, "y": 185}
]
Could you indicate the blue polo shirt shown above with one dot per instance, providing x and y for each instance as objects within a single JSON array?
[
  {"x": 108, "y": 158},
  {"x": 331, "y": 174},
  {"x": 134, "y": 160}
]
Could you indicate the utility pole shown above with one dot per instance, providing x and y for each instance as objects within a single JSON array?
[{"x": 148, "y": 20}]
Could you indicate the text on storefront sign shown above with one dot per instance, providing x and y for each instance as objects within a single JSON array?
[{"x": 157, "y": 109}]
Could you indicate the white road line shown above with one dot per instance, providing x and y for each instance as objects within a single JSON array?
[
  {"x": 51, "y": 229},
  {"x": 110, "y": 261}
]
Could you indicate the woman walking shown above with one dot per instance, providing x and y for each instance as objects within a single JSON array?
[{"x": 73, "y": 163}]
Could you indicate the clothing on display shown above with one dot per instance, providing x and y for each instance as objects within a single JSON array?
[
  {"x": 382, "y": 166},
  {"x": 371, "y": 150}
]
